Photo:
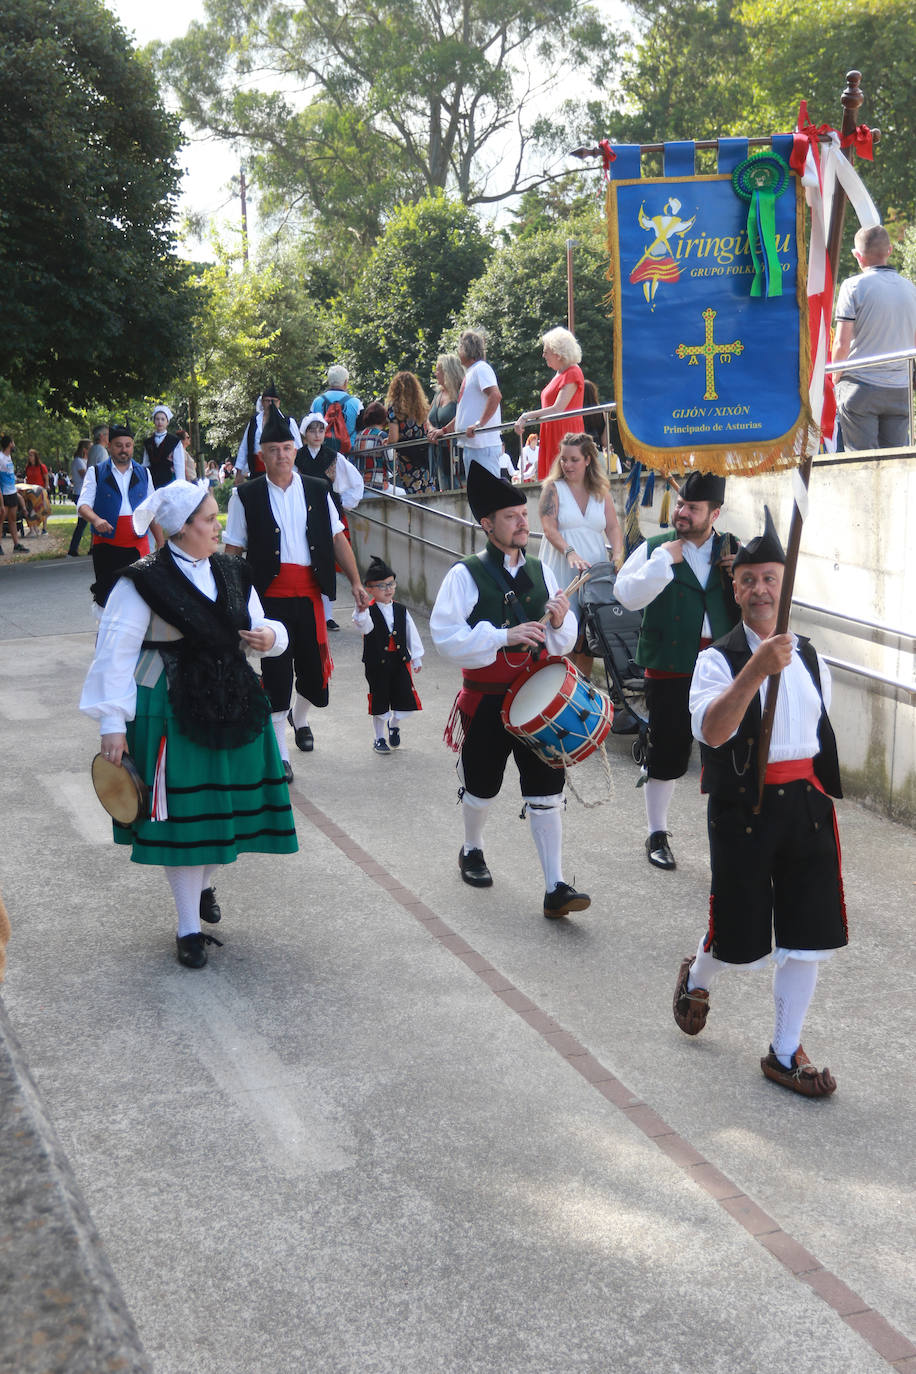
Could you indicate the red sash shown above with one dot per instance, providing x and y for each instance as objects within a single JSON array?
[
  {"x": 493, "y": 680},
  {"x": 125, "y": 536},
  {"x": 297, "y": 580},
  {"x": 792, "y": 770}
]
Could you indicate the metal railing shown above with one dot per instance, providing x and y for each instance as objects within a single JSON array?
[{"x": 903, "y": 355}]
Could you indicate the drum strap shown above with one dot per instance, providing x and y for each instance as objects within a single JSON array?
[{"x": 510, "y": 588}]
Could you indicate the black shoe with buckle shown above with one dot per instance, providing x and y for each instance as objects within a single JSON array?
[
  {"x": 209, "y": 907},
  {"x": 305, "y": 740},
  {"x": 563, "y": 900},
  {"x": 192, "y": 949},
  {"x": 473, "y": 869},
  {"x": 658, "y": 851}
]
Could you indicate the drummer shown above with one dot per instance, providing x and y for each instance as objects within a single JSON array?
[
  {"x": 488, "y": 602},
  {"x": 170, "y": 682}
]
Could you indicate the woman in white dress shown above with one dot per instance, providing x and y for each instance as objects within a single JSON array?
[{"x": 578, "y": 520}]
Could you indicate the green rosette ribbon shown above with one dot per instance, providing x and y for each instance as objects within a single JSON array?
[{"x": 760, "y": 180}]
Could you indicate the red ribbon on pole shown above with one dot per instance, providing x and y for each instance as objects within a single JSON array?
[
  {"x": 607, "y": 156},
  {"x": 860, "y": 142},
  {"x": 806, "y": 135}
]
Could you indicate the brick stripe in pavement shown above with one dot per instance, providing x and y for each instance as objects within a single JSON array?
[{"x": 885, "y": 1339}]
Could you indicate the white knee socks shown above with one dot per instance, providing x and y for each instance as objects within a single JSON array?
[
  {"x": 705, "y": 968},
  {"x": 793, "y": 988},
  {"x": 187, "y": 884},
  {"x": 474, "y": 812},
  {"x": 658, "y": 798},
  {"x": 379, "y": 723},
  {"x": 545, "y": 815},
  {"x": 300, "y": 711},
  {"x": 278, "y": 721}
]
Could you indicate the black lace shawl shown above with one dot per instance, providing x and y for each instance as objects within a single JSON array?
[{"x": 216, "y": 696}]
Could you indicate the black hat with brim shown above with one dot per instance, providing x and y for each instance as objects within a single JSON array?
[
  {"x": 488, "y": 494},
  {"x": 703, "y": 486},
  {"x": 276, "y": 431},
  {"x": 378, "y": 571},
  {"x": 766, "y": 548}
]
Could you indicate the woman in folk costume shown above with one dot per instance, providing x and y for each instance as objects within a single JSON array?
[
  {"x": 170, "y": 684},
  {"x": 392, "y": 652}
]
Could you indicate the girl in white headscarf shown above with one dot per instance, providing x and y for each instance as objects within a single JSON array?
[{"x": 170, "y": 684}]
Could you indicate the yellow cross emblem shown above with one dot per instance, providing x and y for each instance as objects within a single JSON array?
[{"x": 708, "y": 350}]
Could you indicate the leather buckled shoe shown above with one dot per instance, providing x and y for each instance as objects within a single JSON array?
[
  {"x": 287, "y": 772},
  {"x": 192, "y": 949},
  {"x": 563, "y": 900},
  {"x": 658, "y": 851},
  {"x": 474, "y": 870},
  {"x": 209, "y": 907},
  {"x": 305, "y": 740},
  {"x": 690, "y": 1008}
]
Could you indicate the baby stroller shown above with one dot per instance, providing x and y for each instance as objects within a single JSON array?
[{"x": 611, "y": 633}]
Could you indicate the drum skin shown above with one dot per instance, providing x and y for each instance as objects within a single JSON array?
[
  {"x": 120, "y": 789},
  {"x": 557, "y": 713}
]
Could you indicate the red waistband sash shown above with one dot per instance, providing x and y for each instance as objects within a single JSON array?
[
  {"x": 125, "y": 536},
  {"x": 296, "y": 580},
  {"x": 792, "y": 770},
  {"x": 493, "y": 680},
  {"x": 661, "y": 673}
]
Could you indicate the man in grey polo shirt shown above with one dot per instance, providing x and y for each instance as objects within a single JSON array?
[{"x": 875, "y": 314}]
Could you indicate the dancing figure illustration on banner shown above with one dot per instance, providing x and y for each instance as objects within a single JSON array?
[{"x": 658, "y": 262}]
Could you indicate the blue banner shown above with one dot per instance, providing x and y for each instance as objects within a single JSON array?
[{"x": 706, "y": 374}]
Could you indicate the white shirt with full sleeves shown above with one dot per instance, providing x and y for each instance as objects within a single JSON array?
[
  {"x": 122, "y": 477},
  {"x": 798, "y": 706},
  {"x": 477, "y": 646},
  {"x": 288, "y": 506},
  {"x": 363, "y": 622},
  {"x": 110, "y": 692},
  {"x": 642, "y": 578},
  {"x": 178, "y": 458},
  {"x": 348, "y": 483}
]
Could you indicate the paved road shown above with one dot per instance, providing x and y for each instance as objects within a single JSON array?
[{"x": 401, "y": 1126}]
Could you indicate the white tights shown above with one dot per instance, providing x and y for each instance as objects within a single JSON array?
[
  {"x": 793, "y": 988},
  {"x": 187, "y": 884}
]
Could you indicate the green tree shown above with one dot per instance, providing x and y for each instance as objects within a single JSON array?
[
  {"x": 27, "y": 416},
  {"x": 401, "y": 97},
  {"x": 414, "y": 280},
  {"x": 701, "y": 68},
  {"x": 522, "y": 294},
  {"x": 95, "y": 304}
]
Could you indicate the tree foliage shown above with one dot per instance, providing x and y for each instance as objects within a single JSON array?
[
  {"x": 95, "y": 304},
  {"x": 383, "y": 100},
  {"x": 522, "y": 294},
  {"x": 413, "y": 281},
  {"x": 701, "y": 68}
]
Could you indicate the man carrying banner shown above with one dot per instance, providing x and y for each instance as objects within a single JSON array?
[
  {"x": 779, "y": 869},
  {"x": 489, "y": 603},
  {"x": 681, "y": 580}
]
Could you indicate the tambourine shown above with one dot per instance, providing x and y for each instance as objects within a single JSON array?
[{"x": 120, "y": 789}]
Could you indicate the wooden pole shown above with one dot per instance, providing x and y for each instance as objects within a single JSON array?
[
  {"x": 852, "y": 99},
  {"x": 570, "y": 303}
]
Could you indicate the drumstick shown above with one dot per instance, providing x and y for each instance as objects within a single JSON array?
[{"x": 574, "y": 586}]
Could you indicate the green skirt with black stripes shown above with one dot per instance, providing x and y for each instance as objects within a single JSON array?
[{"x": 221, "y": 802}]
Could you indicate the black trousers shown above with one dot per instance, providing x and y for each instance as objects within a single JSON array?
[
  {"x": 300, "y": 660},
  {"x": 486, "y": 750},
  {"x": 670, "y": 737},
  {"x": 775, "y": 875},
  {"x": 107, "y": 561}
]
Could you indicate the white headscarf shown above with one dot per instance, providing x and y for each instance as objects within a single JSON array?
[
  {"x": 170, "y": 506},
  {"x": 165, "y": 410},
  {"x": 313, "y": 418}
]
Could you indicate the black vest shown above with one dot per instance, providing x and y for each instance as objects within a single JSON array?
[
  {"x": 159, "y": 458},
  {"x": 730, "y": 772},
  {"x": 263, "y": 553},
  {"x": 375, "y": 646}
]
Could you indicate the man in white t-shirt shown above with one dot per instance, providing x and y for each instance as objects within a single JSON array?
[{"x": 478, "y": 406}]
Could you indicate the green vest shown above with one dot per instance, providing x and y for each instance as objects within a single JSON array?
[
  {"x": 491, "y": 605},
  {"x": 672, "y": 624}
]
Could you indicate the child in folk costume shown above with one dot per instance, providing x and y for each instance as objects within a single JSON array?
[{"x": 392, "y": 652}]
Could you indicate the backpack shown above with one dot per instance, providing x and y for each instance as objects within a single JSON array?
[{"x": 337, "y": 425}]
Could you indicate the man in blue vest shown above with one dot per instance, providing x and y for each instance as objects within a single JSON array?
[
  {"x": 110, "y": 494},
  {"x": 488, "y": 603},
  {"x": 775, "y": 872},
  {"x": 681, "y": 582}
]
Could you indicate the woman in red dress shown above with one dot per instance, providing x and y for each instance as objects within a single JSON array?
[{"x": 564, "y": 392}]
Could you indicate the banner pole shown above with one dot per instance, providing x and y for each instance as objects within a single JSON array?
[{"x": 852, "y": 99}]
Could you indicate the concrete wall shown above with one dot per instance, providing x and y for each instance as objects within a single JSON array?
[{"x": 855, "y": 559}]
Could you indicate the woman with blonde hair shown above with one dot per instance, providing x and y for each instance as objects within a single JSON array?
[
  {"x": 563, "y": 392},
  {"x": 407, "y": 411},
  {"x": 579, "y": 520},
  {"x": 449, "y": 377}
]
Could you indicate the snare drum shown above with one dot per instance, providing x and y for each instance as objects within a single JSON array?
[
  {"x": 120, "y": 789},
  {"x": 560, "y": 715}
]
